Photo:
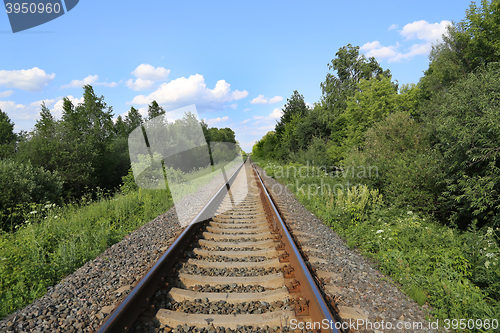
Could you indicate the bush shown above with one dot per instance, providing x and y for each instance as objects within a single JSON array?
[
  {"x": 408, "y": 169},
  {"x": 469, "y": 140},
  {"x": 23, "y": 185}
]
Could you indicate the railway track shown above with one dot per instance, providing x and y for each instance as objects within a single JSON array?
[{"x": 236, "y": 268}]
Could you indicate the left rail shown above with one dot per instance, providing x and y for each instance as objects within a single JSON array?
[{"x": 124, "y": 315}]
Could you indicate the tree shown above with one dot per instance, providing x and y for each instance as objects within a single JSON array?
[
  {"x": 374, "y": 100},
  {"x": 468, "y": 44},
  {"x": 469, "y": 139},
  {"x": 121, "y": 127},
  {"x": 133, "y": 119},
  {"x": 154, "y": 110},
  {"x": 350, "y": 67},
  {"x": 7, "y": 135},
  {"x": 478, "y": 36},
  {"x": 295, "y": 106},
  {"x": 265, "y": 147}
]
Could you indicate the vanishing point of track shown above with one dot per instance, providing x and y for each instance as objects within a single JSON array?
[{"x": 235, "y": 266}]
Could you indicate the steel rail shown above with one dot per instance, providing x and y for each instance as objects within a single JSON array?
[
  {"x": 318, "y": 309},
  {"x": 124, "y": 315}
]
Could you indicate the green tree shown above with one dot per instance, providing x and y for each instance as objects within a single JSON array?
[
  {"x": 469, "y": 138},
  {"x": 265, "y": 147},
  {"x": 121, "y": 127},
  {"x": 154, "y": 110},
  {"x": 472, "y": 42},
  {"x": 350, "y": 67},
  {"x": 294, "y": 108},
  {"x": 478, "y": 35},
  {"x": 374, "y": 100},
  {"x": 133, "y": 119},
  {"x": 7, "y": 135}
]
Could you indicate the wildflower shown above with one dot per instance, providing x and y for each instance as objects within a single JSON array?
[
  {"x": 379, "y": 231},
  {"x": 490, "y": 255},
  {"x": 47, "y": 206},
  {"x": 486, "y": 264},
  {"x": 33, "y": 212},
  {"x": 409, "y": 212}
]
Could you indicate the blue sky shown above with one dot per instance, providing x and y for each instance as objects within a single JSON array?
[{"x": 238, "y": 61}]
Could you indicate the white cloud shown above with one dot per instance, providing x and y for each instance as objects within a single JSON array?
[
  {"x": 234, "y": 106},
  {"x": 91, "y": 79},
  {"x": 392, "y": 27},
  {"x": 423, "y": 30},
  {"x": 266, "y": 128},
  {"x": 146, "y": 76},
  {"x": 18, "y": 111},
  {"x": 192, "y": 90},
  {"x": 48, "y": 103},
  {"x": 11, "y": 106},
  {"x": 26, "y": 79},
  {"x": 275, "y": 99},
  {"x": 140, "y": 84},
  {"x": 148, "y": 72},
  {"x": 259, "y": 100},
  {"x": 427, "y": 33},
  {"x": 213, "y": 121},
  {"x": 245, "y": 121},
  {"x": 375, "y": 49},
  {"x": 262, "y": 100},
  {"x": 58, "y": 106},
  {"x": 277, "y": 113},
  {"x": 6, "y": 93},
  {"x": 246, "y": 110}
]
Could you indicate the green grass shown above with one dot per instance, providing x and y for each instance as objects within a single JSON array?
[
  {"x": 456, "y": 273},
  {"x": 55, "y": 241}
]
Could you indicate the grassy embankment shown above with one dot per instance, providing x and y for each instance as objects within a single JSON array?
[
  {"x": 55, "y": 241},
  {"x": 457, "y": 273}
]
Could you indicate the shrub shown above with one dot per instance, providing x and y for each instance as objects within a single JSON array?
[
  {"x": 408, "y": 169},
  {"x": 23, "y": 185},
  {"x": 469, "y": 140}
]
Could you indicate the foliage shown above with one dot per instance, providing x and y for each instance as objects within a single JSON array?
[
  {"x": 23, "y": 184},
  {"x": 469, "y": 139},
  {"x": 408, "y": 169},
  {"x": 351, "y": 67},
  {"x": 294, "y": 109},
  {"x": 478, "y": 35},
  {"x": 7, "y": 136},
  {"x": 55, "y": 241},
  {"x": 372, "y": 102},
  {"x": 265, "y": 146},
  {"x": 155, "y": 110},
  {"x": 79, "y": 146}
]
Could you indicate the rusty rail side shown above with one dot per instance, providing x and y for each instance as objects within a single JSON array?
[{"x": 318, "y": 309}]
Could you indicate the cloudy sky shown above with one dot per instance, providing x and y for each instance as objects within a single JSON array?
[{"x": 237, "y": 61}]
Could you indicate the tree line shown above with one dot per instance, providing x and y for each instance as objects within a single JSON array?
[
  {"x": 61, "y": 160},
  {"x": 436, "y": 143}
]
